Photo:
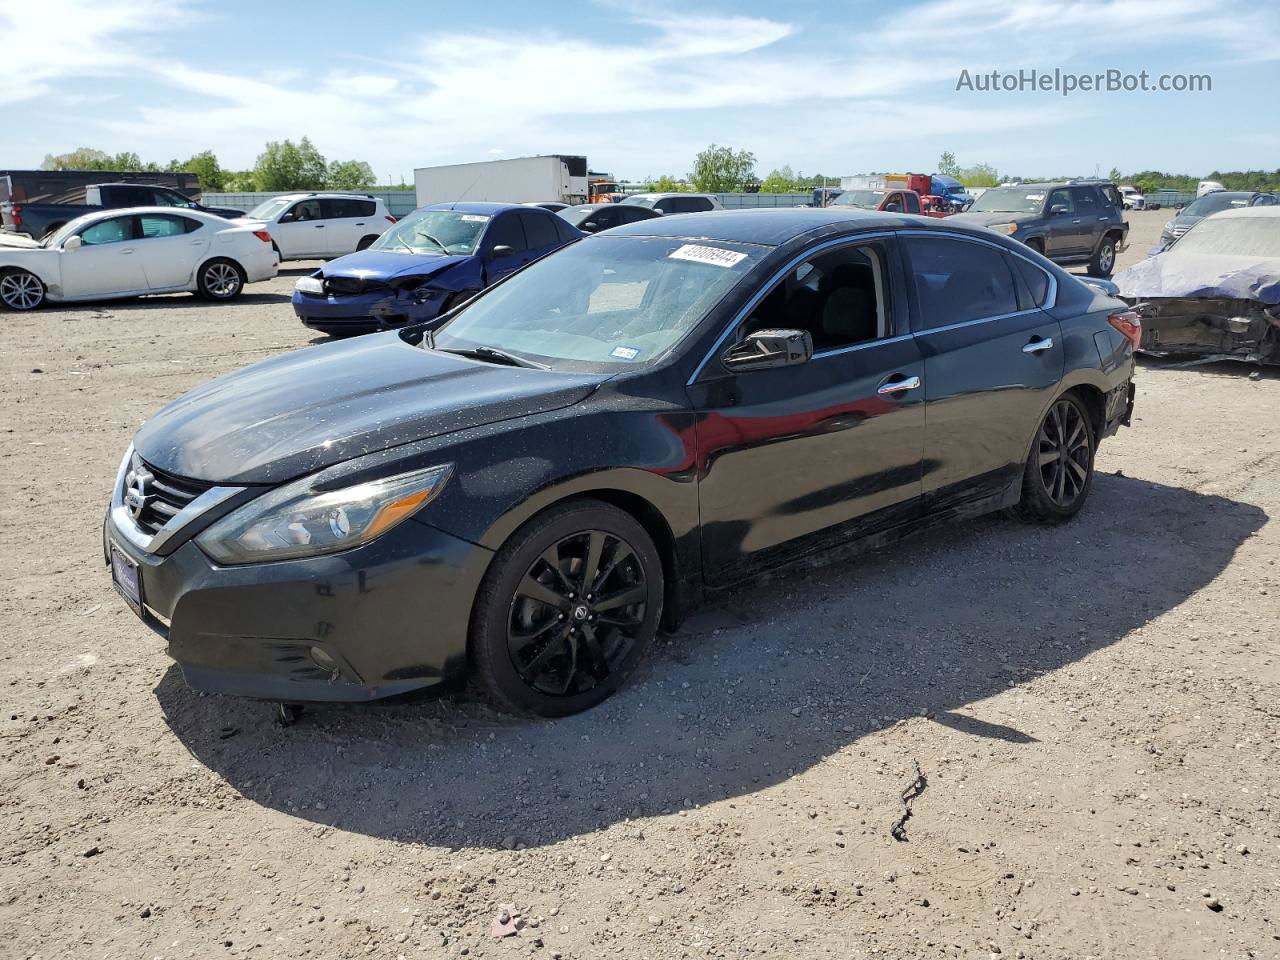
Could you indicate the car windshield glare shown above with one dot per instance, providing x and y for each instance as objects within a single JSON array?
[
  {"x": 639, "y": 200},
  {"x": 1233, "y": 236},
  {"x": 604, "y": 301},
  {"x": 452, "y": 232},
  {"x": 269, "y": 209},
  {"x": 1214, "y": 203},
  {"x": 867, "y": 199},
  {"x": 1009, "y": 200}
]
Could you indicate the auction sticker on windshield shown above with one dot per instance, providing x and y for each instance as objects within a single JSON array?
[
  {"x": 624, "y": 353},
  {"x": 714, "y": 256},
  {"x": 473, "y": 218}
]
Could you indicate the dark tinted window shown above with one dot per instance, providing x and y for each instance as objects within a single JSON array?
[
  {"x": 302, "y": 210},
  {"x": 959, "y": 280},
  {"x": 1264, "y": 200},
  {"x": 169, "y": 198},
  {"x": 1035, "y": 280},
  {"x": 1085, "y": 200},
  {"x": 539, "y": 231},
  {"x": 691, "y": 204},
  {"x": 632, "y": 214},
  {"x": 129, "y": 196},
  {"x": 666, "y": 205},
  {"x": 838, "y": 296},
  {"x": 913, "y": 202},
  {"x": 505, "y": 231},
  {"x": 564, "y": 228},
  {"x": 160, "y": 225},
  {"x": 1060, "y": 198},
  {"x": 338, "y": 208}
]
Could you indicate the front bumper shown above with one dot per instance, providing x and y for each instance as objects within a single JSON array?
[
  {"x": 379, "y": 620},
  {"x": 366, "y": 312}
]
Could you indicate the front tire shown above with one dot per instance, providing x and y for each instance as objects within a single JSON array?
[
  {"x": 1059, "y": 470},
  {"x": 21, "y": 289},
  {"x": 366, "y": 241},
  {"x": 1103, "y": 260},
  {"x": 220, "y": 280},
  {"x": 567, "y": 610}
]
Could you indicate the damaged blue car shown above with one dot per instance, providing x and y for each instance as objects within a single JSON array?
[{"x": 430, "y": 262}]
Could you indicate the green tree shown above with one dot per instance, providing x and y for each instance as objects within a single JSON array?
[
  {"x": 947, "y": 165},
  {"x": 82, "y": 158},
  {"x": 978, "y": 175},
  {"x": 722, "y": 169},
  {"x": 315, "y": 169},
  {"x": 781, "y": 180},
  {"x": 1115, "y": 175},
  {"x": 350, "y": 175},
  {"x": 284, "y": 165},
  {"x": 205, "y": 165},
  {"x": 667, "y": 184}
]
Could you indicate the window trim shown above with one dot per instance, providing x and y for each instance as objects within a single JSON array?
[
  {"x": 1051, "y": 295},
  {"x": 767, "y": 286}
]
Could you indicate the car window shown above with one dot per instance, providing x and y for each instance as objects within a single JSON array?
[
  {"x": 913, "y": 202},
  {"x": 839, "y": 297},
  {"x": 108, "y": 231},
  {"x": 666, "y": 205},
  {"x": 343, "y": 208},
  {"x": 1085, "y": 200},
  {"x": 301, "y": 211},
  {"x": 453, "y": 232},
  {"x": 1112, "y": 196},
  {"x": 1034, "y": 279},
  {"x": 566, "y": 229},
  {"x": 632, "y": 214},
  {"x": 539, "y": 231},
  {"x": 1060, "y": 197},
  {"x": 170, "y": 198},
  {"x": 692, "y": 204},
  {"x": 959, "y": 280},
  {"x": 132, "y": 197},
  {"x": 1264, "y": 200},
  {"x": 160, "y": 225},
  {"x": 505, "y": 231}
]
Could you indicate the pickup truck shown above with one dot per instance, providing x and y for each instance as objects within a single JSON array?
[{"x": 38, "y": 220}]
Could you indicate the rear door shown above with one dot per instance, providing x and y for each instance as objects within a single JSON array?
[
  {"x": 170, "y": 246},
  {"x": 300, "y": 231},
  {"x": 107, "y": 263},
  {"x": 347, "y": 221},
  {"x": 1086, "y": 219},
  {"x": 992, "y": 362}
]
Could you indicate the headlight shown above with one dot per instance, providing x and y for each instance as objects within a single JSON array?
[
  {"x": 309, "y": 285},
  {"x": 297, "y": 520},
  {"x": 1010, "y": 228}
]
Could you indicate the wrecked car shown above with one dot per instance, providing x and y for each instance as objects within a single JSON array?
[
  {"x": 1215, "y": 293},
  {"x": 430, "y": 262}
]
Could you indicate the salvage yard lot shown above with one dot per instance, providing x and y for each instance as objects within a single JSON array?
[{"x": 1094, "y": 709}]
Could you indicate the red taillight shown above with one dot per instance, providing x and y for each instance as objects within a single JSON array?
[
  {"x": 15, "y": 211},
  {"x": 1130, "y": 324},
  {"x": 390, "y": 218},
  {"x": 262, "y": 235}
]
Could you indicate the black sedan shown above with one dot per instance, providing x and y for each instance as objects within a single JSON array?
[
  {"x": 594, "y": 217},
  {"x": 527, "y": 491}
]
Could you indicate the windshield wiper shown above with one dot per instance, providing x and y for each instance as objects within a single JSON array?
[
  {"x": 443, "y": 248},
  {"x": 493, "y": 355}
]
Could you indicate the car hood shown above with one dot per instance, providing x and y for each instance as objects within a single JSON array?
[
  {"x": 987, "y": 219},
  {"x": 17, "y": 240},
  {"x": 309, "y": 409},
  {"x": 1211, "y": 275},
  {"x": 388, "y": 265}
]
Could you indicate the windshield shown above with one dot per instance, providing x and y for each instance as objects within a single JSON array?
[
  {"x": 269, "y": 209},
  {"x": 576, "y": 215},
  {"x": 1237, "y": 236},
  {"x": 435, "y": 231},
  {"x": 1009, "y": 200},
  {"x": 640, "y": 200},
  {"x": 867, "y": 199},
  {"x": 1214, "y": 203},
  {"x": 604, "y": 301}
]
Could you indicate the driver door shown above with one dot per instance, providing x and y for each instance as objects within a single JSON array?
[
  {"x": 300, "y": 231},
  {"x": 795, "y": 456},
  {"x": 108, "y": 263}
]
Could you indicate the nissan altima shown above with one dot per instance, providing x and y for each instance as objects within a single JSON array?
[{"x": 524, "y": 491}]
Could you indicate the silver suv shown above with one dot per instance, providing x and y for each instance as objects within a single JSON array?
[
  {"x": 675, "y": 202},
  {"x": 320, "y": 226}
]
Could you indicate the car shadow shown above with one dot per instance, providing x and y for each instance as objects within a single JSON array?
[
  {"x": 1209, "y": 366},
  {"x": 762, "y": 683},
  {"x": 171, "y": 301}
]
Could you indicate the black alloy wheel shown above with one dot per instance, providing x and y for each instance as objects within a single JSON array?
[
  {"x": 569, "y": 606},
  {"x": 1059, "y": 471}
]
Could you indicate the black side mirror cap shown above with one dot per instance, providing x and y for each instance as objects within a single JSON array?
[
  {"x": 502, "y": 250},
  {"x": 766, "y": 349},
  {"x": 1057, "y": 210}
]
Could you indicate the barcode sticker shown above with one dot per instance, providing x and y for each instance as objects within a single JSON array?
[
  {"x": 473, "y": 218},
  {"x": 714, "y": 256}
]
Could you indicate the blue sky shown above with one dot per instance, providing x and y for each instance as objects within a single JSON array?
[{"x": 836, "y": 87}]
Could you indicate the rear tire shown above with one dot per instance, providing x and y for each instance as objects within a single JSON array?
[
  {"x": 1103, "y": 260},
  {"x": 567, "y": 610},
  {"x": 220, "y": 280},
  {"x": 1059, "y": 471},
  {"x": 21, "y": 289}
]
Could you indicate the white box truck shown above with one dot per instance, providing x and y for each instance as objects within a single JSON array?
[{"x": 520, "y": 180}]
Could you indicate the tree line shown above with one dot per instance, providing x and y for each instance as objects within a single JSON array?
[{"x": 282, "y": 165}]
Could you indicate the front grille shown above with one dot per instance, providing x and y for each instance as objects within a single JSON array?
[
  {"x": 348, "y": 286},
  {"x": 162, "y": 494},
  {"x": 1180, "y": 229}
]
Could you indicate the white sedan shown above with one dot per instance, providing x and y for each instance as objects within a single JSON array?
[{"x": 132, "y": 252}]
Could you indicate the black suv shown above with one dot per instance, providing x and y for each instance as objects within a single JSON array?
[{"x": 1071, "y": 221}]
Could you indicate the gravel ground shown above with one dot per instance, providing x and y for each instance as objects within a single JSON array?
[{"x": 1084, "y": 720}]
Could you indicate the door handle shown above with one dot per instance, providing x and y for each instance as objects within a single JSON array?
[
  {"x": 1075, "y": 221},
  {"x": 898, "y": 386},
  {"x": 1038, "y": 346},
  {"x": 359, "y": 224},
  {"x": 320, "y": 226},
  {"x": 124, "y": 252}
]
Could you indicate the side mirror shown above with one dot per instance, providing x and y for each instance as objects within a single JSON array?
[
  {"x": 591, "y": 226},
  {"x": 1057, "y": 210},
  {"x": 502, "y": 250},
  {"x": 766, "y": 349},
  {"x": 72, "y": 244}
]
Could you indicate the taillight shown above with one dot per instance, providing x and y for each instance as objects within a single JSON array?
[
  {"x": 1128, "y": 323},
  {"x": 390, "y": 218},
  {"x": 16, "y": 212},
  {"x": 262, "y": 235}
]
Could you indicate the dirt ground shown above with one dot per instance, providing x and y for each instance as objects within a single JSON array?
[{"x": 1085, "y": 719}]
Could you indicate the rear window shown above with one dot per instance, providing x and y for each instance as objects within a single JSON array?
[
  {"x": 1035, "y": 279},
  {"x": 959, "y": 280},
  {"x": 539, "y": 229},
  {"x": 341, "y": 208}
]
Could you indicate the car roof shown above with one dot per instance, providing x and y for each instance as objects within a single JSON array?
[
  {"x": 1234, "y": 194},
  {"x": 109, "y": 212},
  {"x": 660, "y": 196},
  {"x": 773, "y": 226},
  {"x": 487, "y": 207},
  {"x": 1270, "y": 210}
]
